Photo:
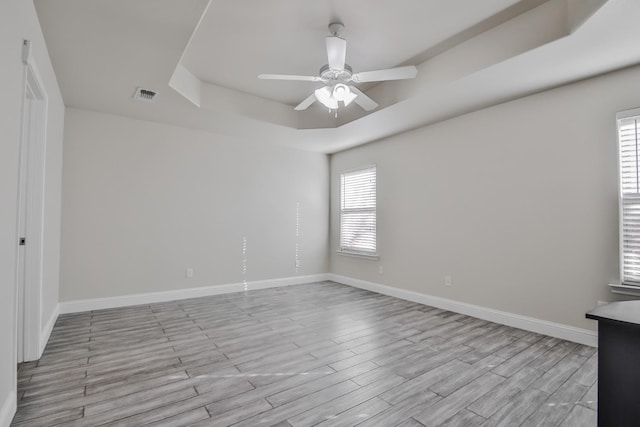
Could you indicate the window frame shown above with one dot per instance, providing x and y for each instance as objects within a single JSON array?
[
  {"x": 371, "y": 255},
  {"x": 630, "y": 287}
]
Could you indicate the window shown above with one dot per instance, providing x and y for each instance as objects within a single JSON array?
[
  {"x": 358, "y": 212},
  {"x": 629, "y": 151}
]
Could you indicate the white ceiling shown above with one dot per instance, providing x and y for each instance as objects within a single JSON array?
[{"x": 470, "y": 54}]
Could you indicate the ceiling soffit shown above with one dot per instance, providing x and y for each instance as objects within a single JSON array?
[{"x": 513, "y": 31}]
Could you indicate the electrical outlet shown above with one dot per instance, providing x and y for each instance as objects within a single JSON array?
[
  {"x": 380, "y": 269},
  {"x": 188, "y": 273},
  {"x": 447, "y": 281}
]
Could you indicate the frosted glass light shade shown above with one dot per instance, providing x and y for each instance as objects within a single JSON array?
[{"x": 324, "y": 95}]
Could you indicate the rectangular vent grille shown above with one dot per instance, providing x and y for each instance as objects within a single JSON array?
[{"x": 144, "y": 94}]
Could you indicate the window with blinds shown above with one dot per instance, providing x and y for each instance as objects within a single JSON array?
[
  {"x": 629, "y": 150},
  {"x": 358, "y": 212}
]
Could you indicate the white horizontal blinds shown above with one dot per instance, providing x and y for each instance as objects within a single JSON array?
[
  {"x": 358, "y": 211},
  {"x": 631, "y": 239},
  {"x": 628, "y": 134}
]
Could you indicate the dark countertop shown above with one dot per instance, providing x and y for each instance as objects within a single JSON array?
[{"x": 623, "y": 311}]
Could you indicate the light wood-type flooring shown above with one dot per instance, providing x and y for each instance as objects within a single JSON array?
[{"x": 319, "y": 354}]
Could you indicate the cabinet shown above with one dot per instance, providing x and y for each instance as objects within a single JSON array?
[{"x": 618, "y": 363}]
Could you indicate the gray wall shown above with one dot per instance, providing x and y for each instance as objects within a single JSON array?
[
  {"x": 518, "y": 203},
  {"x": 143, "y": 201},
  {"x": 18, "y": 21}
]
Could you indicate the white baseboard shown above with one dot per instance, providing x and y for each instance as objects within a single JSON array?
[
  {"x": 178, "y": 294},
  {"x": 8, "y": 409},
  {"x": 48, "y": 328},
  {"x": 558, "y": 330}
]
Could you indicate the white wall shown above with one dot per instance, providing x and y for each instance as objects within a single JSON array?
[
  {"x": 143, "y": 201},
  {"x": 18, "y": 21},
  {"x": 518, "y": 203}
]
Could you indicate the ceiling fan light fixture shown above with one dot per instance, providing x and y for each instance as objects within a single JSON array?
[
  {"x": 331, "y": 96},
  {"x": 350, "y": 98},
  {"x": 342, "y": 92},
  {"x": 325, "y": 96}
]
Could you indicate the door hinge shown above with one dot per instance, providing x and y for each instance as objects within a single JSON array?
[{"x": 23, "y": 241}]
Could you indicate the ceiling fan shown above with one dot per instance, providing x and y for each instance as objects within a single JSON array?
[{"x": 339, "y": 78}]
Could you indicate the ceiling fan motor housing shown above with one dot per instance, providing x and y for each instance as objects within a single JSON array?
[{"x": 336, "y": 76}]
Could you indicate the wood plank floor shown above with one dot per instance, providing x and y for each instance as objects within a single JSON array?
[{"x": 319, "y": 354}]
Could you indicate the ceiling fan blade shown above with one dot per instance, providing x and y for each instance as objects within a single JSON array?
[
  {"x": 336, "y": 52},
  {"x": 306, "y": 103},
  {"x": 289, "y": 77},
  {"x": 363, "y": 100},
  {"x": 399, "y": 73}
]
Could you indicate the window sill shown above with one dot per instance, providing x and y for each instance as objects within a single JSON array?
[
  {"x": 373, "y": 257},
  {"x": 623, "y": 289}
]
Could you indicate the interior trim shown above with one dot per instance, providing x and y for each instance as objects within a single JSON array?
[
  {"x": 373, "y": 257},
  {"x": 78, "y": 306},
  {"x": 623, "y": 289},
  {"x": 48, "y": 328},
  {"x": 8, "y": 409},
  {"x": 558, "y": 330}
]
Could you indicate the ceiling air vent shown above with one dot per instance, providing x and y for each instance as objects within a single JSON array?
[{"x": 144, "y": 94}]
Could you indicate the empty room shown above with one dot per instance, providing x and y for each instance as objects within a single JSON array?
[{"x": 334, "y": 213}]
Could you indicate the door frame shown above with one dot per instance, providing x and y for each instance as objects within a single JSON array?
[{"x": 31, "y": 213}]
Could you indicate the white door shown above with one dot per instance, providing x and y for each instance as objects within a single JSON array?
[
  {"x": 30, "y": 227},
  {"x": 22, "y": 216}
]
